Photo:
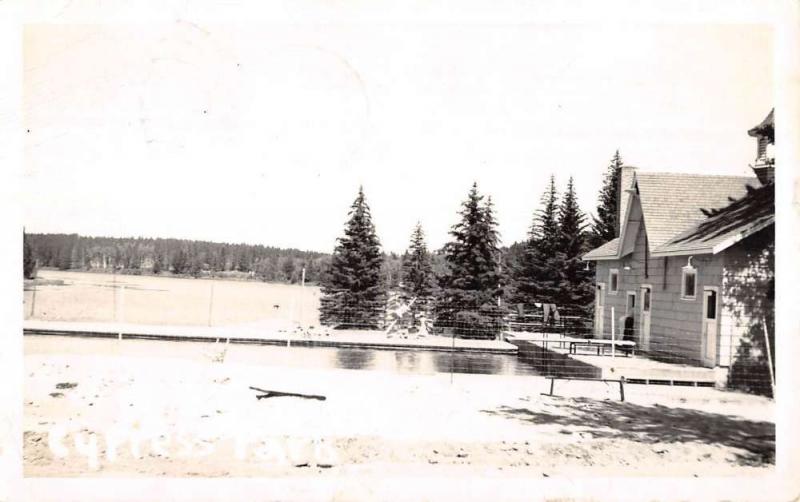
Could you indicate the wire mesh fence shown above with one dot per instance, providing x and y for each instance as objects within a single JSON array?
[
  {"x": 159, "y": 300},
  {"x": 713, "y": 344}
]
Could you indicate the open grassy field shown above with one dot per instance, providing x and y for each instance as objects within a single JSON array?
[{"x": 94, "y": 297}]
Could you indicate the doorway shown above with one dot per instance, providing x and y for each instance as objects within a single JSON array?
[
  {"x": 710, "y": 325},
  {"x": 645, "y": 306}
]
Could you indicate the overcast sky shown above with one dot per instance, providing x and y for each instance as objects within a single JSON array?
[{"x": 262, "y": 134}]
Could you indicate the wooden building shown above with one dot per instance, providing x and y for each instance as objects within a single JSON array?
[{"x": 693, "y": 265}]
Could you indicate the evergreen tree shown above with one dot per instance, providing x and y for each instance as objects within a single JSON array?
[
  {"x": 538, "y": 277},
  {"x": 289, "y": 270},
  {"x": 392, "y": 270},
  {"x": 576, "y": 291},
  {"x": 180, "y": 262},
  {"x": 511, "y": 261},
  {"x": 471, "y": 285},
  {"x": 157, "y": 266},
  {"x": 354, "y": 293},
  {"x": 418, "y": 279},
  {"x": 604, "y": 225},
  {"x": 28, "y": 258}
]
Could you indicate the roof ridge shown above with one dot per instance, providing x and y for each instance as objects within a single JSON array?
[{"x": 696, "y": 175}]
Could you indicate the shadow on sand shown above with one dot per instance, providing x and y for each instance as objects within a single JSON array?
[{"x": 657, "y": 424}]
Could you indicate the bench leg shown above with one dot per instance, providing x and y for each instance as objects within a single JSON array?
[
  {"x": 622, "y": 389},
  {"x": 552, "y": 382}
]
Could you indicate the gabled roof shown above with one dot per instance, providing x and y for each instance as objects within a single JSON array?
[
  {"x": 725, "y": 227},
  {"x": 674, "y": 203},
  {"x": 766, "y": 127},
  {"x": 607, "y": 251}
]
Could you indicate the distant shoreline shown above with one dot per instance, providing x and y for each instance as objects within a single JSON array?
[{"x": 238, "y": 276}]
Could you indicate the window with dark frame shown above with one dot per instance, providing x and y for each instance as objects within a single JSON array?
[{"x": 689, "y": 283}]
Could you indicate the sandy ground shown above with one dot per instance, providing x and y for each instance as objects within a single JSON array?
[
  {"x": 160, "y": 415},
  {"x": 96, "y": 297}
]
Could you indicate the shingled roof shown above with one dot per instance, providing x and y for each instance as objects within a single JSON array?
[
  {"x": 725, "y": 227},
  {"x": 673, "y": 204},
  {"x": 606, "y": 251}
]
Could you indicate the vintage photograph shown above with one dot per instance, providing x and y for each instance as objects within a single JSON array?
[{"x": 315, "y": 251}]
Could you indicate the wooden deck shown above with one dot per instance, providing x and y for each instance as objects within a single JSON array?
[{"x": 636, "y": 369}]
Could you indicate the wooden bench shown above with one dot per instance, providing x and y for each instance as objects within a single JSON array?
[
  {"x": 625, "y": 346},
  {"x": 621, "y": 383}
]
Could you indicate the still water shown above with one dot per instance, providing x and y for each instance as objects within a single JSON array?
[{"x": 396, "y": 361}]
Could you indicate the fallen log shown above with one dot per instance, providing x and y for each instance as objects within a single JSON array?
[{"x": 276, "y": 393}]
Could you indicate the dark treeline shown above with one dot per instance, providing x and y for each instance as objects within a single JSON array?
[{"x": 177, "y": 256}]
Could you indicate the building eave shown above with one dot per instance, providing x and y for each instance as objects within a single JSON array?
[
  {"x": 743, "y": 235},
  {"x": 623, "y": 227},
  {"x": 599, "y": 258},
  {"x": 682, "y": 252}
]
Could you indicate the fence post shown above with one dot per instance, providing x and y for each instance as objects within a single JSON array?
[
  {"x": 33, "y": 299},
  {"x": 210, "y": 302},
  {"x": 121, "y": 312},
  {"x": 301, "y": 320},
  {"x": 452, "y": 356},
  {"x": 769, "y": 357}
]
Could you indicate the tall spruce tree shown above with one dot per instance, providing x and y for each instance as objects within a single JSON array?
[
  {"x": 604, "y": 224},
  {"x": 576, "y": 288},
  {"x": 472, "y": 283},
  {"x": 354, "y": 293},
  {"x": 418, "y": 280},
  {"x": 539, "y": 275}
]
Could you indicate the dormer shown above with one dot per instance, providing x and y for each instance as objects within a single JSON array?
[{"x": 764, "y": 167}]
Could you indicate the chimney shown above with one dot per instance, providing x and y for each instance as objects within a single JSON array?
[{"x": 626, "y": 177}]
